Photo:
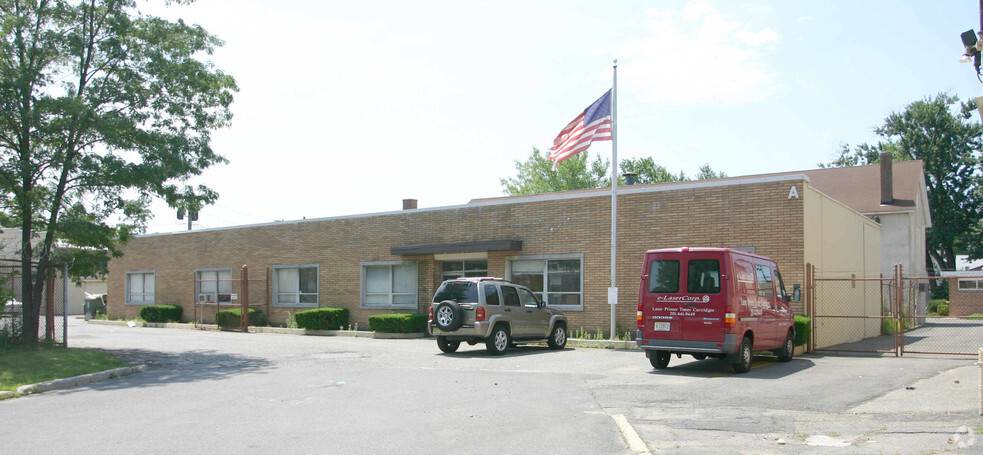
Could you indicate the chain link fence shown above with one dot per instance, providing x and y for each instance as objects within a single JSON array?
[
  {"x": 52, "y": 315},
  {"x": 886, "y": 315}
]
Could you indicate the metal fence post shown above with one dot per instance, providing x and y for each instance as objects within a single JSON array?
[
  {"x": 979, "y": 361},
  {"x": 244, "y": 300},
  {"x": 811, "y": 306}
]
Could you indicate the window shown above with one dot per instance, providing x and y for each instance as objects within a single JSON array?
[
  {"x": 528, "y": 299},
  {"x": 390, "y": 285},
  {"x": 664, "y": 276},
  {"x": 213, "y": 285},
  {"x": 765, "y": 286},
  {"x": 970, "y": 284},
  {"x": 704, "y": 276},
  {"x": 295, "y": 285},
  {"x": 556, "y": 280},
  {"x": 140, "y": 288},
  {"x": 491, "y": 295},
  {"x": 466, "y": 268},
  {"x": 511, "y": 296}
]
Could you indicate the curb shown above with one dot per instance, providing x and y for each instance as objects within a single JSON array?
[{"x": 65, "y": 383}]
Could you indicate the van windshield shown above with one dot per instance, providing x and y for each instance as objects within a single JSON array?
[
  {"x": 704, "y": 276},
  {"x": 664, "y": 276}
]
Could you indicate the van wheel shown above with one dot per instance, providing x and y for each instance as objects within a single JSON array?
[
  {"x": 499, "y": 341},
  {"x": 659, "y": 359},
  {"x": 786, "y": 352},
  {"x": 447, "y": 346},
  {"x": 699, "y": 356},
  {"x": 743, "y": 364}
]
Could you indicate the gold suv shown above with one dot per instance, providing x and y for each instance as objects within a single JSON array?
[{"x": 494, "y": 311}]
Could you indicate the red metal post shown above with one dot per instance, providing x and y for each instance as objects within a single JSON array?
[
  {"x": 810, "y": 306},
  {"x": 244, "y": 300},
  {"x": 49, "y": 309}
]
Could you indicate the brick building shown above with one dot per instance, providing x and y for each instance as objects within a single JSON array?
[{"x": 558, "y": 244}]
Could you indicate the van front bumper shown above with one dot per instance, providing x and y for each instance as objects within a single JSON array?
[{"x": 730, "y": 345}]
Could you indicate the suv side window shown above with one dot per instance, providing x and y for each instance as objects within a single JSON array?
[
  {"x": 528, "y": 299},
  {"x": 511, "y": 296},
  {"x": 491, "y": 295}
]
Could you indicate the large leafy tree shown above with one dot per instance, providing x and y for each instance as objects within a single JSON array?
[
  {"x": 102, "y": 109},
  {"x": 940, "y": 132},
  {"x": 536, "y": 174}
]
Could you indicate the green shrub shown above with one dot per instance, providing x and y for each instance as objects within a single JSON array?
[
  {"x": 229, "y": 319},
  {"x": 398, "y": 323},
  {"x": 933, "y": 306},
  {"x": 322, "y": 319},
  {"x": 801, "y": 330},
  {"x": 161, "y": 313},
  {"x": 941, "y": 290},
  {"x": 942, "y": 309}
]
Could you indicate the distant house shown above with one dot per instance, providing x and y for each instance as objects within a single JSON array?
[{"x": 965, "y": 287}]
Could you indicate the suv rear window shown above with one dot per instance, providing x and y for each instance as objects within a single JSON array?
[
  {"x": 664, "y": 276},
  {"x": 458, "y": 291}
]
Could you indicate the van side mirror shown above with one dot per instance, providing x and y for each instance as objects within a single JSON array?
[{"x": 796, "y": 292}]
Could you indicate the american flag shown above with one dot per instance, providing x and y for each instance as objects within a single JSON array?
[{"x": 594, "y": 124}]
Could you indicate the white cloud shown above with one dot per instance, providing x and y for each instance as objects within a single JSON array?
[{"x": 698, "y": 55}]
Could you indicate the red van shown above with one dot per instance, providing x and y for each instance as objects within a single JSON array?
[{"x": 712, "y": 302}]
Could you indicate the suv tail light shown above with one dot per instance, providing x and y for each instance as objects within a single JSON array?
[
  {"x": 479, "y": 314},
  {"x": 431, "y": 312},
  {"x": 638, "y": 316},
  {"x": 730, "y": 318}
]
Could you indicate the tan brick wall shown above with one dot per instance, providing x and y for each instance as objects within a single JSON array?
[
  {"x": 964, "y": 303},
  {"x": 756, "y": 215}
]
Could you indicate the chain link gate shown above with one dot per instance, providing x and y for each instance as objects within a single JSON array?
[{"x": 884, "y": 315}]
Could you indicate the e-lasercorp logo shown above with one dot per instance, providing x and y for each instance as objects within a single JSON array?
[{"x": 682, "y": 299}]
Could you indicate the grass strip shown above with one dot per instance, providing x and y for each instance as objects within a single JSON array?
[{"x": 21, "y": 366}]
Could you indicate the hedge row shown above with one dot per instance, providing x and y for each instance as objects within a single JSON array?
[
  {"x": 322, "y": 319},
  {"x": 398, "y": 323},
  {"x": 229, "y": 319},
  {"x": 161, "y": 313},
  {"x": 801, "y": 330}
]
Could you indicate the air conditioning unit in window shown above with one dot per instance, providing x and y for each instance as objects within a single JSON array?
[
  {"x": 207, "y": 297},
  {"x": 224, "y": 298}
]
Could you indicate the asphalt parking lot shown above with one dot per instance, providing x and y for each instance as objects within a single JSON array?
[{"x": 223, "y": 392}]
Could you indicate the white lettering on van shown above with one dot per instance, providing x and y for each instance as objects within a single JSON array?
[
  {"x": 682, "y": 298},
  {"x": 793, "y": 193}
]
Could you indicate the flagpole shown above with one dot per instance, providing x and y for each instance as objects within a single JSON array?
[{"x": 613, "y": 290}]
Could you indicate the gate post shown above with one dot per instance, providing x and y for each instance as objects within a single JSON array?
[
  {"x": 49, "y": 309},
  {"x": 898, "y": 312},
  {"x": 244, "y": 300},
  {"x": 810, "y": 306}
]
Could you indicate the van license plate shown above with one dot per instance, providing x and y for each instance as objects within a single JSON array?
[{"x": 661, "y": 327}]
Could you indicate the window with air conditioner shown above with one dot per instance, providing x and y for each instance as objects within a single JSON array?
[{"x": 214, "y": 285}]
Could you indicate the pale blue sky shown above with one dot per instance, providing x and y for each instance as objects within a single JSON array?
[{"x": 349, "y": 107}]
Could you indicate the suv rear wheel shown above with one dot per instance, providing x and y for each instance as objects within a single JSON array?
[
  {"x": 447, "y": 346},
  {"x": 499, "y": 340},
  {"x": 448, "y": 316}
]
